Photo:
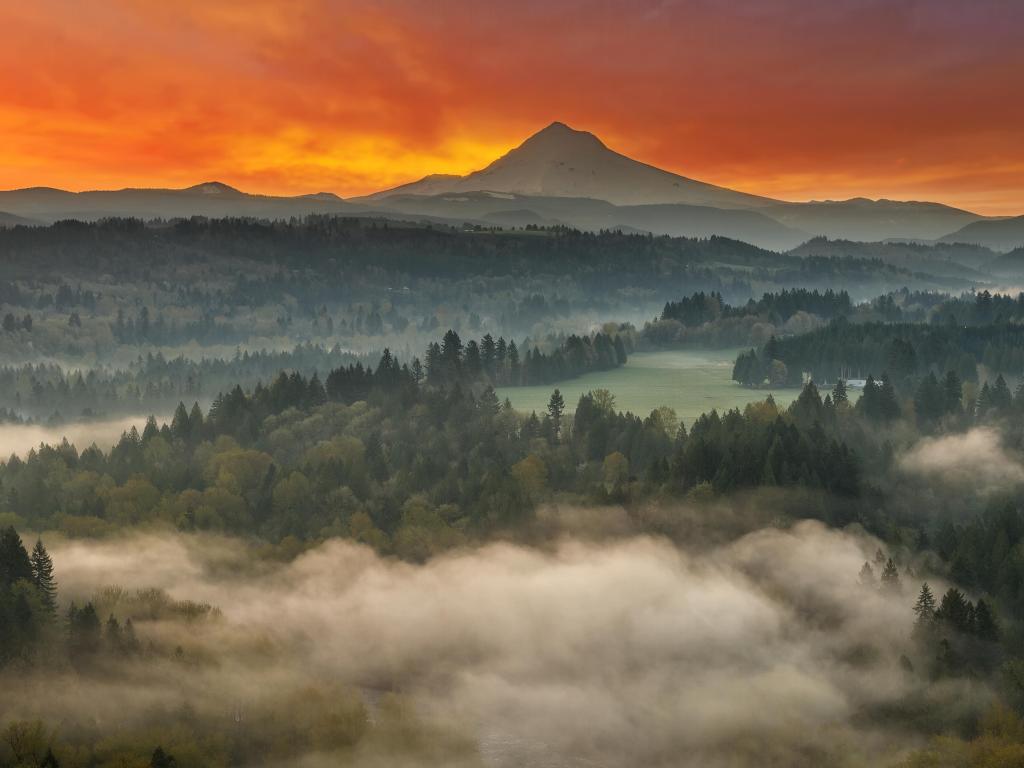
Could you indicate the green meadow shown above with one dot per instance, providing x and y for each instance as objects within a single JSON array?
[{"x": 691, "y": 381}]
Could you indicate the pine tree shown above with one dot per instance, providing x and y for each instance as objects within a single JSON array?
[
  {"x": 151, "y": 430},
  {"x": 839, "y": 393},
  {"x": 985, "y": 625},
  {"x": 953, "y": 391},
  {"x": 890, "y": 576},
  {"x": 867, "y": 575},
  {"x": 954, "y": 610},
  {"x": 179, "y": 424},
  {"x": 1001, "y": 397},
  {"x": 112, "y": 636},
  {"x": 42, "y": 576},
  {"x": 161, "y": 759},
  {"x": 924, "y": 612},
  {"x": 556, "y": 407},
  {"x": 195, "y": 422},
  {"x": 889, "y": 407},
  {"x": 924, "y": 608},
  {"x": 14, "y": 561}
]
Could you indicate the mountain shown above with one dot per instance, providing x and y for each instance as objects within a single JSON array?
[
  {"x": 10, "y": 220},
  {"x": 213, "y": 199},
  {"x": 562, "y": 162},
  {"x": 558, "y": 176},
  {"x": 869, "y": 220},
  {"x": 970, "y": 262},
  {"x": 512, "y": 210},
  {"x": 997, "y": 234},
  {"x": 1009, "y": 265}
]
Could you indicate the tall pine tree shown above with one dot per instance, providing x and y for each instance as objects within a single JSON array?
[{"x": 42, "y": 576}]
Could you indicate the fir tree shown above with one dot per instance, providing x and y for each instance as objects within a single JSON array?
[
  {"x": 985, "y": 626},
  {"x": 867, "y": 575},
  {"x": 839, "y": 393},
  {"x": 14, "y": 561},
  {"x": 556, "y": 407},
  {"x": 42, "y": 576},
  {"x": 161, "y": 759},
  {"x": 890, "y": 576},
  {"x": 924, "y": 612},
  {"x": 953, "y": 393},
  {"x": 179, "y": 424}
]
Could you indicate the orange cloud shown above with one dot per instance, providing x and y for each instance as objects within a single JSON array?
[{"x": 792, "y": 98}]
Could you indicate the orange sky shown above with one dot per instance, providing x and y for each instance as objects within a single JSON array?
[{"x": 796, "y": 99}]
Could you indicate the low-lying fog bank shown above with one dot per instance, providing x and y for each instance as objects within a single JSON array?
[
  {"x": 19, "y": 439},
  {"x": 762, "y": 651}
]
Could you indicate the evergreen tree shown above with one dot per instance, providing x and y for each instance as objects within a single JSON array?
[
  {"x": 1001, "y": 397},
  {"x": 84, "y": 633},
  {"x": 839, "y": 393},
  {"x": 42, "y": 576},
  {"x": 985, "y": 625},
  {"x": 953, "y": 393},
  {"x": 161, "y": 759},
  {"x": 556, "y": 407},
  {"x": 179, "y": 424},
  {"x": 151, "y": 430},
  {"x": 112, "y": 636},
  {"x": 889, "y": 407},
  {"x": 867, "y": 575},
  {"x": 929, "y": 400},
  {"x": 924, "y": 612},
  {"x": 955, "y": 611},
  {"x": 14, "y": 560},
  {"x": 890, "y": 576}
]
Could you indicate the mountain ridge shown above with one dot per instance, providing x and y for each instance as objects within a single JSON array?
[
  {"x": 560, "y": 161},
  {"x": 558, "y": 175}
]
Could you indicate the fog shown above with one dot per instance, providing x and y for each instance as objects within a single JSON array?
[
  {"x": 976, "y": 460},
  {"x": 19, "y": 439},
  {"x": 762, "y": 651}
]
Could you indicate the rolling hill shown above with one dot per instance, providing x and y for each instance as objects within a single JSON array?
[
  {"x": 997, "y": 234},
  {"x": 10, "y": 220},
  {"x": 212, "y": 199}
]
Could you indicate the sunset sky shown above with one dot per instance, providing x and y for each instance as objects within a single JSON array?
[{"x": 797, "y": 99}]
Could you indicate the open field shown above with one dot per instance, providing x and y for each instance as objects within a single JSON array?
[{"x": 690, "y": 381}]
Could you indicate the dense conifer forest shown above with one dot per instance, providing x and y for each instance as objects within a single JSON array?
[{"x": 325, "y": 426}]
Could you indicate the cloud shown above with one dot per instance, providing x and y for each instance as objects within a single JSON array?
[
  {"x": 628, "y": 652},
  {"x": 976, "y": 459}
]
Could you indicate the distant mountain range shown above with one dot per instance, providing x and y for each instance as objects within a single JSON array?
[
  {"x": 558, "y": 176},
  {"x": 997, "y": 234}
]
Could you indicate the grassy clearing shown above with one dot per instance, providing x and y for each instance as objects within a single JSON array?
[{"x": 691, "y": 382}]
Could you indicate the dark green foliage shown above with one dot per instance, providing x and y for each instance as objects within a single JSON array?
[
  {"x": 905, "y": 350},
  {"x": 161, "y": 759},
  {"x": 498, "y": 364},
  {"x": 890, "y": 576},
  {"x": 878, "y": 402},
  {"x": 15, "y": 564},
  {"x": 924, "y": 612},
  {"x": 85, "y": 634},
  {"x": 556, "y": 407},
  {"x": 701, "y": 308},
  {"x": 42, "y": 576}
]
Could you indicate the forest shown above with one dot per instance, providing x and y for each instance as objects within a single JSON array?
[{"x": 331, "y": 539}]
